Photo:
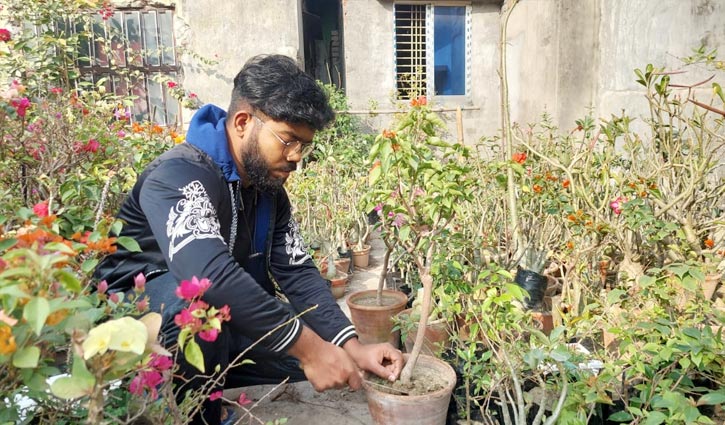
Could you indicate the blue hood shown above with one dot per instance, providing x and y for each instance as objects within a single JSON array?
[{"x": 207, "y": 132}]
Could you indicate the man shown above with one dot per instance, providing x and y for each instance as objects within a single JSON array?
[{"x": 215, "y": 208}]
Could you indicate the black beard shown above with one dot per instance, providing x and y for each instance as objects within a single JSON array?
[{"x": 257, "y": 170}]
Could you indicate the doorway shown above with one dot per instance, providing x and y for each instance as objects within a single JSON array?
[{"x": 323, "y": 44}]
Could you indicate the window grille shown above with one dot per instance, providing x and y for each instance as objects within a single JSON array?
[
  {"x": 130, "y": 53},
  {"x": 432, "y": 50},
  {"x": 410, "y": 50}
]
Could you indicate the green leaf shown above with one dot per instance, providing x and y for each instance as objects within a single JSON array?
[
  {"x": 193, "y": 355},
  {"x": 713, "y": 398},
  {"x": 89, "y": 265},
  {"x": 374, "y": 175},
  {"x": 129, "y": 243},
  {"x": 35, "y": 313},
  {"x": 60, "y": 247},
  {"x": 71, "y": 387},
  {"x": 69, "y": 280},
  {"x": 621, "y": 416},
  {"x": 116, "y": 227},
  {"x": 655, "y": 418},
  {"x": 7, "y": 243},
  {"x": 26, "y": 357}
]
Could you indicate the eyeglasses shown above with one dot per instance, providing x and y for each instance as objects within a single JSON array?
[{"x": 295, "y": 146}]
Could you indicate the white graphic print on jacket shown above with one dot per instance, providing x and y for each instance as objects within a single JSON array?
[
  {"x": 295, "y": 246},
  {"x": 191, "y": 219}
]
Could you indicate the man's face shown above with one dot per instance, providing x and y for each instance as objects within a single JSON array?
[{"x": 267, "y": 162}]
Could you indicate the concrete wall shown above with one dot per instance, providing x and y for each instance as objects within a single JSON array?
[
  {"x": 370, "y": 65},
  {"x": 568, "y": 55},
  {"x": 564, "y": 56},
  {"x": 230, "y": 32}
]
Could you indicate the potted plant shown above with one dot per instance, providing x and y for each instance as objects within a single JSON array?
[{"x": 418, "y": 183}]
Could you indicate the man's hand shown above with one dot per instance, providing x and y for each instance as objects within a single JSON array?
[
  {"x": 383, "y": 360},
  {"x": 325, "y": 365}
]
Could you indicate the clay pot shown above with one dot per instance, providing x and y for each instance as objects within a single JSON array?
[
  {"x": 338, "y": 284},
  {"x": 437, "y": 336},
  {"x": 374, "y": 323},
  {"x": 361, "y": 258},
  {"x": 342, "y": 265},
  {"x": 543, "y": 321},
  {"x": 427, "y": 409}
]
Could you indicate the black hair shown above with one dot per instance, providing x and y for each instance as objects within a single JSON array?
[{"x": 277, "y": 87}]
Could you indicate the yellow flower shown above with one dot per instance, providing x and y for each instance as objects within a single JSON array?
[
  {"x": 7, "y": 341},
  {"x": 179, "y": 139},
  {"x": 125, "y": 334}
]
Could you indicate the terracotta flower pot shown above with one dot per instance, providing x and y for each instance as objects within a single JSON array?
[
  {"x": 426, "y": 409},
  {"x": 374, "y": 323},
  {"x": 437, "y": 336},
  {"x": 338, "y": 284},
  {"x": 361, "y": 258}
]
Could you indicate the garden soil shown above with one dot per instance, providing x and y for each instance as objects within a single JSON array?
[{"x": 299, "y": 402}]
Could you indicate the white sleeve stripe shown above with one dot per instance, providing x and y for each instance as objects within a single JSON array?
[
  {"x": 282, "y": 345},
  {"x": 343, "y": 335}
]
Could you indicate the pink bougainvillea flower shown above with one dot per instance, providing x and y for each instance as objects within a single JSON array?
[
  {"x": 617, "y": 204},
  {"x": 209, "y": 335},
  {"x": 171, "y": 84},
  {"x": 56, "y": 90},
  {"x": 102, "y": 287},
  {"x": 92, "y": 146},
  {"x": 142, "y": 305},
  {"x": 147, "y": 379},
  {"x": 190, "y": 289},
  {"x": 399, "y": 220},
  {"x": 160, "y": 362},
  {"x": 121, "y": 134},
  {"x": 216, "y": 395},
  {"x": 5, "y": 35},
  {"x": 139, "y": 282},
  {"x": 198, "y": 306},
  {"x": 378, "y": 207},
  {"x": 21, "y": 106},
  {"x": 41, "y": 209},
  {"x": 243, "y": 400},
  {"x": 192, "y": 96},
  {"x": 185, "y": 318},
  {"x": 224, "y": 314}
]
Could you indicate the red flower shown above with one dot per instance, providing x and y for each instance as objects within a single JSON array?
[
  {"x": 537, "y": 188},
  {"x": 709, "y": 243},
  {"x": 21, "y": 105},
  {"x": 243, "y": 400},
  {"x": 92, "y": 146},
  {"x": 4, "y": 34},
  {"x": 41, "y": 209},
  {"x": 519, "y": 157},
  {"x": 216, "y": 395},
  {"x": 170, "y": 84},
  {"x": 566, "y": 184}
]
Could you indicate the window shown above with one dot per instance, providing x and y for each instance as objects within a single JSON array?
[
  {"x": 432, "y": 50},
  {"x": 131, "y": 52}
]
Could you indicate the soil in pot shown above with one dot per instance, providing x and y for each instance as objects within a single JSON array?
[{"x": 423, "y": 402}]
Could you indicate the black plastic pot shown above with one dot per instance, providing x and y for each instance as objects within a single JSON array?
[{"x": 535, "y": 284}]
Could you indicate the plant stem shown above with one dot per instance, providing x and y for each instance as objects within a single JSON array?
[{"x": 507, "y": 134}]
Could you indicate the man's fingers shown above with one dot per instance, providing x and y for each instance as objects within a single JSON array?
[{"x": 355, "y": 380}]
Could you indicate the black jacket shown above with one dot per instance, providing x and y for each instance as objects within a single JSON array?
[{"x": 185, "y": 212}]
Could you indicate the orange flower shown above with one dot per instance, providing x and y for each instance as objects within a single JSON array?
[
  {"x": 136, "y": 128},
  {"x": 566, "y": 183},
  {"x": 420, "y": 101},
  {"x": 396, "y": 147},
  {"x": 709, "y": 243},
  {"x": 376, "y": 164},
  {"x": 7, "y": 341},
  {"x": 571, "y": 217},
  {"x": 570, "y": 245},
  {"x": 56, "y": 317},
  {"x": 388, "y": 134},
  {"x": 519, "y": 157},
  {"x": 537, "y": 188}
]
